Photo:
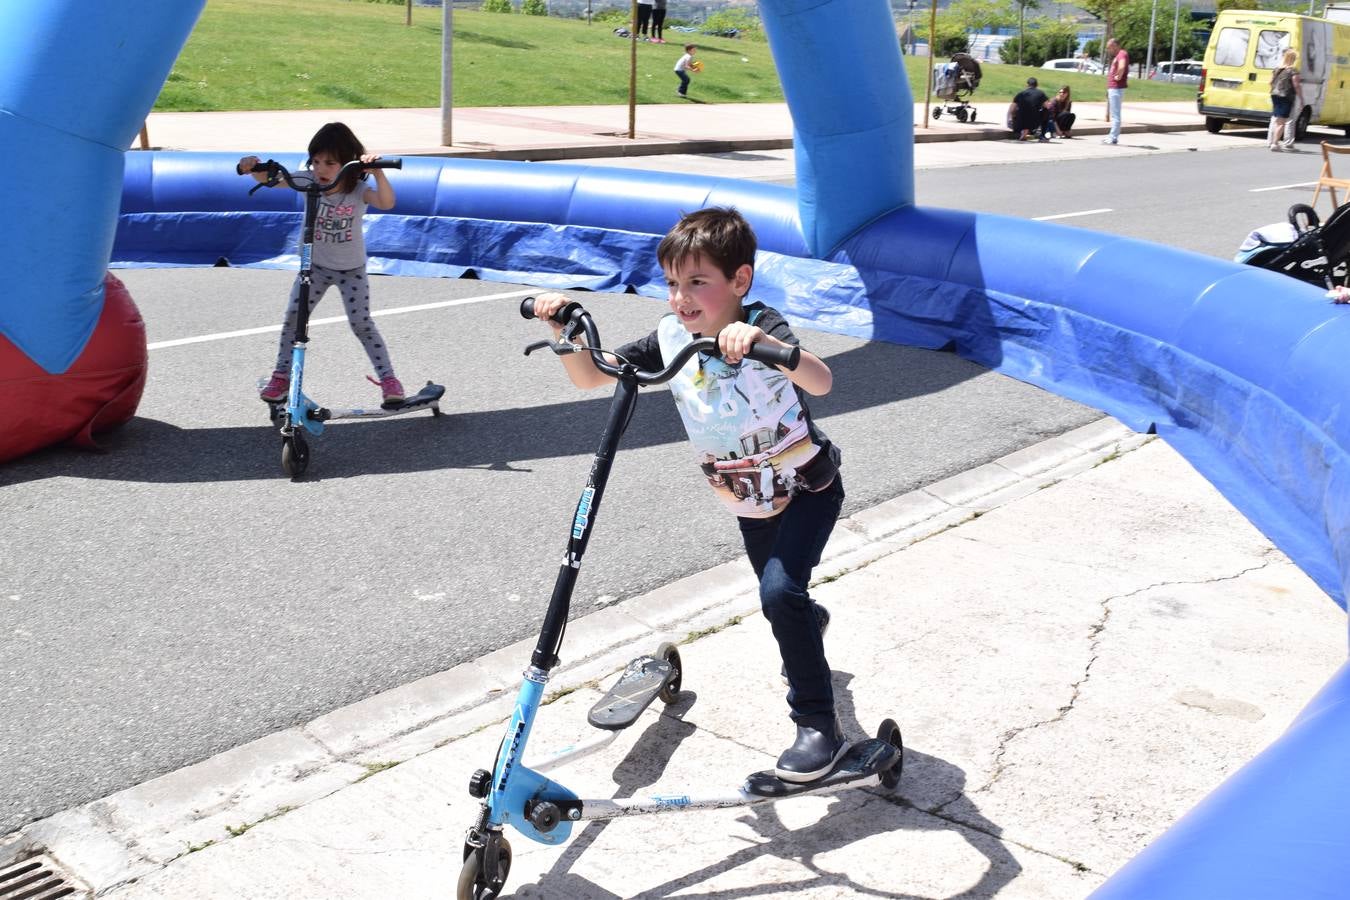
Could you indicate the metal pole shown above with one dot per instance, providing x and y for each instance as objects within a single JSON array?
[
  {"x": 1176, "y": 20},
  {"x": 407, "y": 20},
  {"x": 932, "y": 55},
  {"x": 447, "y": 70},
  {"x": 1021, "y": 28},
  {"x": 1152, "y": 22},
  {"x": 632, "y": 72}
]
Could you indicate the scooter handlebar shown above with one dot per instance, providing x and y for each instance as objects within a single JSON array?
[
  {"x": 788, "y": 357},
  {"x": 564, "y": 315}
]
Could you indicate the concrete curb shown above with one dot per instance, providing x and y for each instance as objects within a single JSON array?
[{"x": 139, "y": 830}]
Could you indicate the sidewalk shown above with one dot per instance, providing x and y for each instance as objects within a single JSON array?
[
  {"x": 581, "y": 132},
  {"x": 1076, "y": 641}
]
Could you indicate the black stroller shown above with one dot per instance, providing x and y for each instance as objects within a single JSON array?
[
  {"x": 1304, "y": 248},
  {"x": 954, "y": 82}
]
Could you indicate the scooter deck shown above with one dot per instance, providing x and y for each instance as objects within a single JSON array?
[
  {"x": 863, "y": 760},
  {"x": 429, "y": 394},
  {"x": 640, "y": 683}
]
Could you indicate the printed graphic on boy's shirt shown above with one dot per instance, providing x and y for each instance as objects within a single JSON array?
[{"x": 747, "y": 429}]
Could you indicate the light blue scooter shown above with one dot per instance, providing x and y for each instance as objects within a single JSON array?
[
  {"x": 299, "y": 413},
  {"x": 523, "y": 797}
]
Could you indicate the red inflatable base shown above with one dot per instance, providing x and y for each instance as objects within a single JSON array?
[{"x": 98, "y": 392}]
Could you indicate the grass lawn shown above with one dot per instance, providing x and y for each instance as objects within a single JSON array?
[{"x": 346, "y": 54}]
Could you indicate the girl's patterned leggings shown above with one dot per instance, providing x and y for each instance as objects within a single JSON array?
[{"x": 355, "y": 290}]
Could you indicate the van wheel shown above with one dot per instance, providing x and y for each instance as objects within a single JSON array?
[
  {"x": 1213, "y": 124},
  {"x": 1301, "y": 126}
]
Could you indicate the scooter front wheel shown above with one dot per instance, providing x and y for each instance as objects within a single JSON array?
[
  {"x": 472, "y": 884},
  {"x": 294, "y": 454}
]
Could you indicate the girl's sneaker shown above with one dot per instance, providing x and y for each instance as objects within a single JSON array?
[
  {"x": 392, "y": 390},
  {"x": 277, "y": 388}
]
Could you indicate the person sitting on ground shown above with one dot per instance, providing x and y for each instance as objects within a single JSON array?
[
  {"x": 1059, "y": 120},
  {"x": 1028, "y": 112}
]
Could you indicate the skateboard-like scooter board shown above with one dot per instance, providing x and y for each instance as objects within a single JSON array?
[
  {"x": 865, "y": 759},
  {"x": 642, "y": 681}
]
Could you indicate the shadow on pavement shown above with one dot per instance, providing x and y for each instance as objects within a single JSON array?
[
  {"x": 161, "y": 452},
  {"x": 647, "y": 761}
]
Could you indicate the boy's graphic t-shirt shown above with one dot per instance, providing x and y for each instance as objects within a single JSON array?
[
  {"x": 338, "y": 241},
  {"x": 752, "y": 433}
]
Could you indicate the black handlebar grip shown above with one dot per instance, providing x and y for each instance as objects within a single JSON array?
[
  {"x": 787, "y": 357},
  {"x": 385, "y": 164},
  {"x": 562, "y": 316}
]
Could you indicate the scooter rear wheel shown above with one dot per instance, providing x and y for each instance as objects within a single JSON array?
[
  {"x": 890, "y": 733},
  {"x": 671, "y": 692},
  {"x": 472, "y": 886}
]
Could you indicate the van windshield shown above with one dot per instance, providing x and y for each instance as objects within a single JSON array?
[
  {"x": 1270, "y": 47},
  {"x": 1231, "y": 49}
]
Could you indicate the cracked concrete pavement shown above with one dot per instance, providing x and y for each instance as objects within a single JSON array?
[{"x": 1079, "y": 643}]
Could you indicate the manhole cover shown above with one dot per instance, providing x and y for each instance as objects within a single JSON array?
[{"x": 37, "y": 879}]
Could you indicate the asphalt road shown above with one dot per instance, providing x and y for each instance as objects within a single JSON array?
[{"x": 177, "y": 596}]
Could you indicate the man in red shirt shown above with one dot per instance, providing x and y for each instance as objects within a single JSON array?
[{"x": 1117, "y": 78}]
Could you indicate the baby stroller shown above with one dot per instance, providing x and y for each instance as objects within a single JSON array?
[
  {"x": 1303, "y": 248},
  {"x": 954, "y": 82}
]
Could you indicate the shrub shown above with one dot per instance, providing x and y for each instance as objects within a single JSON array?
[
  {"x": 731, "y": 23},
  {"x": 501, "y": 6},
  {"x": 534, "y": 7}
]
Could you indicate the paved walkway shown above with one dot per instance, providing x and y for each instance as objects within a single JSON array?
[
  {"x": 1076, "y": 640},
  {"x": 571, "y": 132}
]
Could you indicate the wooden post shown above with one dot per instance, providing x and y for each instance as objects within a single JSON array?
[
  {"x": 632, "y": 73},
  {"x": 145, "y": 135},
  {"x": 447, "y": 71},
  {"x": 932, "y": 55}
]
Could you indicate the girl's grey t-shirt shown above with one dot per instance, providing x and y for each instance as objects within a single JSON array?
[{"x": 338, "y": 242}]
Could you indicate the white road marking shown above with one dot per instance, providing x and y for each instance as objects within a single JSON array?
[
  {"x": 274, "y": 329},
  {"x": 1282, "y": 187},
  {"x": 1086, "y": 212}
]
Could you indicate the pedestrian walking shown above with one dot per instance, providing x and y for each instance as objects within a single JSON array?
[{"x": 1284, "y": 90}]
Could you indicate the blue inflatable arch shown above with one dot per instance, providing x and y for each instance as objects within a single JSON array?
[{"x": 1253, "y": 395}]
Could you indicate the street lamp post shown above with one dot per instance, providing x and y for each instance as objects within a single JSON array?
[
  {"x": 1176, "y": 21},
  {"x": 1152, "y": 22}
]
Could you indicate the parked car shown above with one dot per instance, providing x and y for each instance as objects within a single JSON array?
[
  {"x": 1182, "y": 72},
  {"x": 1077, "y": 64}
]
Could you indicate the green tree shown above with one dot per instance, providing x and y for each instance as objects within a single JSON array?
[
  {"x": 1132, "y": 19},
  {"x": 498, "y": 6},
  {"x": 534, "y": 7},
  {"x": 1045, "y": 39},
  {"x": 978, "y": 15}
]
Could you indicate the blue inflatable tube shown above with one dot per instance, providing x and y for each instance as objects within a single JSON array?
[
  {"x": 1240, "y": 369},
  {"x": 55, "y": 241},
  {"x": 852, "y": 116}
]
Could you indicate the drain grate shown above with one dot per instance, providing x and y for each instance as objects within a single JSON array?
[{"x": 37, "y": 879}]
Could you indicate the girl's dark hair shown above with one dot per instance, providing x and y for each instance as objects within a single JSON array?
[
  {"x": 719, "y": 234},
  {"x": 337, "y": 140}
]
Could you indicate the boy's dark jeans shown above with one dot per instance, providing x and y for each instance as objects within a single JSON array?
[
  {"x": 783, "y": 550},
  {"x": 684, "y": 84}
]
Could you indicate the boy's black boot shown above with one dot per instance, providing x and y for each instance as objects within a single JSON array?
[{"x": 819, "y": 745}]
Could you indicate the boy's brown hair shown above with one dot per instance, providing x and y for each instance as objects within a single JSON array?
[{"x": 719, "y": 234}]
